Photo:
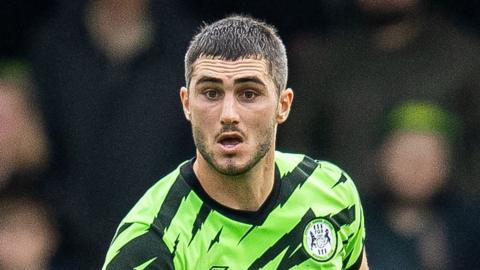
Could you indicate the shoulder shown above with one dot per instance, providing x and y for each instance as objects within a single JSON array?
[
  {"x": 148, "y": 206},
  {"x": 326, "y": 174},
  {"x": 140, "y": 230},
  {"x": 337, "y": 179},
  {"x": 287, "y": 162},
  {"x": 330, "y": 189}
]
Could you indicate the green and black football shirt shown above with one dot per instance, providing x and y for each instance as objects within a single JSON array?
[{"x": 311, "y": 220}]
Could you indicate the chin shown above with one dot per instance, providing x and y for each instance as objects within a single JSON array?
[{"x": 232, "y": 168}]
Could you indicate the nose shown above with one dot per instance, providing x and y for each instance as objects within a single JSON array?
[{"x": 229, "y": 113}]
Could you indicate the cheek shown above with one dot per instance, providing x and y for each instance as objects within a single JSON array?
[
  {"x": 265, "y": 115},
  {"x": 264, "y": 125},
  {"x": 202, "y": 115},
  {"x": 258, "y": 121}
]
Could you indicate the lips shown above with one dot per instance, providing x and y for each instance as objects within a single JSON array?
[{"x": 230, "y": 140}]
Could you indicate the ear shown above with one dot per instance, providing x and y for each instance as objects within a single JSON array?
[
  {"x": 185, "y": 102},
  {"x": 284, "y": 104}
]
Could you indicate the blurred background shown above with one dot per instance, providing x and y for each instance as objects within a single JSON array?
[{"x": 90, "y": 118}]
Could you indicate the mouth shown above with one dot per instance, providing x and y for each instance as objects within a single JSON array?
[{"x": 230, "y": 140}]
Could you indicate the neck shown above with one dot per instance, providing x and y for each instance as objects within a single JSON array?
[
  {"x": 245, "y": 192},
  {"x": 409, "y": 219}
]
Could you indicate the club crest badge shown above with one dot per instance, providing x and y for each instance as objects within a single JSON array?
[{"x": 320, "y": 239}]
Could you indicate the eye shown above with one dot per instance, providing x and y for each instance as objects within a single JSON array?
[
  {"x": 249, "y": 95},
  {"x": 211, "y": 94}
]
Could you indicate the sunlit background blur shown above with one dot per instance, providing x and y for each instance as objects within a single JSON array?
[{"x": 90, "y": 117}]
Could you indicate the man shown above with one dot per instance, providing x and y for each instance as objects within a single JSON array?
[
  {"x": 105, "y": 70},
  {"x": 421, "y": 222},
  {"x": 390, "y": 52},
  {"x": 239, "y": 204}
]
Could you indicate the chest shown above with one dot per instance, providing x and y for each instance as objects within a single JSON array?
[{"x": 284, "y": 241}]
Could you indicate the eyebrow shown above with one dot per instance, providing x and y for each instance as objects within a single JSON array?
[
  {"x": 249, "y": 79},
  {"x": 208, "y": 79}
]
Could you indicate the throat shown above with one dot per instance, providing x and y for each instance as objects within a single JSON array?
[
  {"x": 245, "y": 198},
  {"x": 246, "y": 192}
]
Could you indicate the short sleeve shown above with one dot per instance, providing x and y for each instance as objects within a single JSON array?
[
  {"x": 138, "y": 246},
  {"x": 356, "y": 238}
]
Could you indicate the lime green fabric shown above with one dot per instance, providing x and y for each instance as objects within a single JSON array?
[{"x": 197, "y": 235}]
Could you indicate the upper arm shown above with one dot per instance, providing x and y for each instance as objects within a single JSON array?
[
  {"x": 138, "y": 246},
  {"x": 353, "y": 231},
  {"x": 364, "y": 265},
  {"x": 355, "y": 246}
]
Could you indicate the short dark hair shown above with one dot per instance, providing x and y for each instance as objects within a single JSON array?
[{"x": 239, "y": 37}]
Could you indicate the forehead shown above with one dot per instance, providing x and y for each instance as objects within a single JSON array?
[{"x": 227, "y": 69}]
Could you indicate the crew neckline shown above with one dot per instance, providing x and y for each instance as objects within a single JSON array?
[{"x": 250, "y": 217}]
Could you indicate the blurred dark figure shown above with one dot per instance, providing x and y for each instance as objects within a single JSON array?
[
  {"x": 28, "y": 236},
  {"x": 289, "y": 17},
  {"x": 466, "y": 103},
  {"x": 23, "y": 144},
  {"x": 109, "y": 73},
  {"x": 18, "y": 20},
  {"x": 345, "y": 80},
  {"x": 416, "y": 221}
]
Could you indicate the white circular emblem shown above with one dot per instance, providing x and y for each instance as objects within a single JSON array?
[{"x": 320, "y": 239}]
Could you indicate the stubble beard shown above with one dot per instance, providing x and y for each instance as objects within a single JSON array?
[{"x": 232, "y": 169}]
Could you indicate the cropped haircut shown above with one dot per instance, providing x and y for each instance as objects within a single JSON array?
[{"x": 240, "y": 37}]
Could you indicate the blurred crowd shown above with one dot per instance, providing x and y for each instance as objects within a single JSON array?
[{"x": 90, "y": 117}]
